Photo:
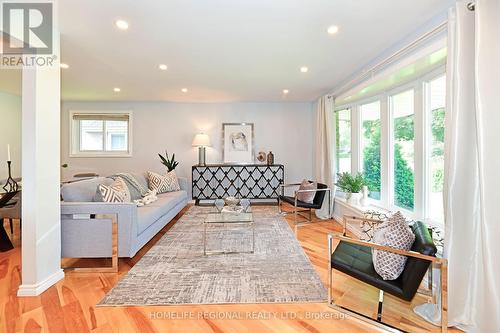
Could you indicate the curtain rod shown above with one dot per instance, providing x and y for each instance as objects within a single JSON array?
[{"x": 367, "y": 73}]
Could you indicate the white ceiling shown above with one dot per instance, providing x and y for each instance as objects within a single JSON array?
[{"x": 226, "y": 50}]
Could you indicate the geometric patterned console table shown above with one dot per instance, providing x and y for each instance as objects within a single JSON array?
[{"x": 251, "y": 181}]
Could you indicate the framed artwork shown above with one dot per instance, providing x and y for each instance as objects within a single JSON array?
[{"x": 237, "y": 143}]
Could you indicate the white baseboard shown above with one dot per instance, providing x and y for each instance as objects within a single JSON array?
[{"x": 26, "y": 290}]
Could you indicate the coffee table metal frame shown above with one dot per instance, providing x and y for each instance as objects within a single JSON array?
[{"x": 250, "y": 222}]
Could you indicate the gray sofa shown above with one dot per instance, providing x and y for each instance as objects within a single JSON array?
[{"x": 87, "y": 234}]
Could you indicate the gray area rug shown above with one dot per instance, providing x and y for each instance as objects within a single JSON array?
[{"x": 175, "y": 271}]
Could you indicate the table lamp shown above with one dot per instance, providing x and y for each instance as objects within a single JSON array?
[{"x": 201, "y": 141}]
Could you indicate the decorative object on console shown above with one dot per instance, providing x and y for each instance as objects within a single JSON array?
[
  {"x": 364, "y": 198},
  {"x": 396, "y": 234},
  {"x": 116, "y": 192},
  {"x": 261, "y": 156},
  {"x": 238, "y": 145},
  {"x": 351, "y": 185},
  {"x": 307, "y": 191},
  {"x": 163, "y": 184},
  {"x": 251, "y": 181},
  {"x": 270, "y": 158},
  {"x": 201, "y": 141},
  {"x": 170, "y": 163}
]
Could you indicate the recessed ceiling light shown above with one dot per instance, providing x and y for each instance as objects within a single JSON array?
[
  {"x": 163, "y": 67},
  {"x": 64, "y": 66},
  {"x": 333, "y": 29},
  {"x": 117, "y": 89},
  {"x": 285, "y": 91},
  {"x": 184, "y": 90},
  {"x": 121, "y": 24},
  {"x": 304, "y": 69}
]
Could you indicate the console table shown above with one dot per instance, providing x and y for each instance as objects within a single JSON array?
[{"x": 251, "y": 181}]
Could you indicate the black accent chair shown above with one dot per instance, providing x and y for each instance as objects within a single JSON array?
[
  {"x": 354, "y": 258},
  {"x": 321, "y": 192}
]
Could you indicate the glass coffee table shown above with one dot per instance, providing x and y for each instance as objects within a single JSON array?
[{"x": 226, "y": 217}]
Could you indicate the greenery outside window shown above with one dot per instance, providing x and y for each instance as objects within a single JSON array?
[
  {"x": 370, "y": 147},
  {"x": 403, "y": 150}
]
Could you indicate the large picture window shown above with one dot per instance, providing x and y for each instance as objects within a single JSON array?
[
  {"x": 343, "y": 132},
  {"x": 100, "y": 134},
  {"x": 370, "y": 147},
  {"x": 403, "y": 135},
  {"x": 398, "y": 144}
]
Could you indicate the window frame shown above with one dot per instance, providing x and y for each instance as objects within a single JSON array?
[
  {"x": 75, "y": 134},
  {"x": 421, "y": 147}
]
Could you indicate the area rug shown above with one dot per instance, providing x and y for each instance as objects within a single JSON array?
[{"x": 175, "y": 271}]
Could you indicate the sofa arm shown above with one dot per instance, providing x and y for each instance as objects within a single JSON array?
[
  {"x": 70, "y": 208},
  {"x": 184, "y": 184},
  {"x": 72, "y": 226}
]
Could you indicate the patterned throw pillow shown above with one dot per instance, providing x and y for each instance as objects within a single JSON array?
[
  {"x": 394, "y": 233},
  {"x": 307, "y": 196},
  {"x": 163, "y": 184},
  {"x": 116, "y": 192}
]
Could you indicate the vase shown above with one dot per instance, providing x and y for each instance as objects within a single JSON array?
[
  {"x": 364, "y": 198},
  {"x": 353, "y": 198},
  {"x": 270, "y": 158}
]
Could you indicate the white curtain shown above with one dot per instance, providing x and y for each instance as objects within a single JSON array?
[
  {"x": 324, "y": 151},
  {"x": 472, "y": 168}
]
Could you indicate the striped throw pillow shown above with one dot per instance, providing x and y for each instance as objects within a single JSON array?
[
  {"x": 163, "y": 184},
  {"x": 116, "y": 192}
]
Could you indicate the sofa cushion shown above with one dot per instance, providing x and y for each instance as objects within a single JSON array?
[
  {"x": 147, "y": 215},
  {"x": 83, "y": 190},
  {"x": 116, "y": 192},
  {"x": 163, "y": 184},
  {"x": 394, "y": 233}
]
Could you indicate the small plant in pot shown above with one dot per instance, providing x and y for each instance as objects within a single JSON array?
[
  {"x": 351, "y": 185},
  {"x": 170, "y": 163}
]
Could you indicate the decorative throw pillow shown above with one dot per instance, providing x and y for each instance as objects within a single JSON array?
[
  {"x": 163, "y": 184},
  {"x": 116, "y": 192},
  {"x": 307, "y": 196},
  {"x": 394, "y": 233}
]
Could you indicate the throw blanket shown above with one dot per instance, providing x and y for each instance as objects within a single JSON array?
[{"x": 133, "y": 185}]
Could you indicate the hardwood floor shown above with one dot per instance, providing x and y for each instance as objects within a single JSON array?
[{"x": 69, "y": 306}]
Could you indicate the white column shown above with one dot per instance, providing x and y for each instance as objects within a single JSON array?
[{"x": 41, "y": 232}]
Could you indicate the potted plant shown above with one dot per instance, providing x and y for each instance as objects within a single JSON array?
[
  {"x": 170, "y": 163},
  {"x": 351, "y": 185}
]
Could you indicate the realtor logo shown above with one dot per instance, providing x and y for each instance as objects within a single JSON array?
[{"x": 27, "y": 28}]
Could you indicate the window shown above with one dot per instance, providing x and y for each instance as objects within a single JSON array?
[
  {"x": 370, "y": 147},
  {"x": 343, "y": 139},
  {"x": 436, "y": 95},
  {"x": 403, "y": 134},
  {"x": 398, "y": 144},
  {"x": 100, "y": 134}
]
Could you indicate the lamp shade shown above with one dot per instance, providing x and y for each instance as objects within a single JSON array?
[{"x": 201, "y": 140}]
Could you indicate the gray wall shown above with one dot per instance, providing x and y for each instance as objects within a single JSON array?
[
  {"x": 284, "y": 128},
  {"x": 10, "y": 133}
]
